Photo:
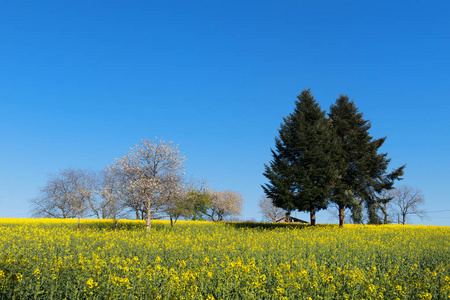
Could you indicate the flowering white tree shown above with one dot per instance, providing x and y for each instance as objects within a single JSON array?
[
  {"x": 149, "y": 173},
  {"x": 223, "y": 204}
]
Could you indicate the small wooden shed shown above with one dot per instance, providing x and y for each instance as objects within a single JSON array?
[{"x": 289, "y": 219}]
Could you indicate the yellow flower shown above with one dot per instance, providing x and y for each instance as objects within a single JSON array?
[
  {"x": 91, "y": 283},
  {"x": 37, "y": 273}
]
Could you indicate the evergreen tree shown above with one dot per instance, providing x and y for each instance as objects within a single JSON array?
[
  {"x": 357, "y": 215},
  {"x": 302, "y": 171},
  {"x": 362, "y": 170},
  {"x": 378, "y": 183}
]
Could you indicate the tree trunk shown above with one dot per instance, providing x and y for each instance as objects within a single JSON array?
[
  {"x": 383, "y": 208},
  {"x": 171, "y": 223},
  {"x": 403, "y": 218},
  {"x": 149, "y": 222},
  {"x": 149, "y": 217},
  {"x": 341, "y": 216},
  {"x": 385, "y": 215},
  {"x": 312, "y": 214}
]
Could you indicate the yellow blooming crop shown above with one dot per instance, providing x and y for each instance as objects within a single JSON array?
[
  {"x": 53, "y": 259},
  {"x": 91, "y": 283}
]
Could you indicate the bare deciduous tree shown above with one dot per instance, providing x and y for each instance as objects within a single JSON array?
[
  {"x": 133, "y": 201},
  {"x": 407, "y": 201},
  {"x": 269, "y": 211},
  {"x": 223, "y": 204},
  {"x": 66, "y": 195},
  {"x": 174, "y": 203},
  {"x": 110, "y": 204},
  {"x": 148, "y": 174}
]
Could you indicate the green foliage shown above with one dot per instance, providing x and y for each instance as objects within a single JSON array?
[
  {"x": 362, "y": 170},
  {"x": 317, "y": 160},
  {"x": 200, "y": 202},
  {"x": 352, "y": 150},
  {"x": 302, "y": 171}
]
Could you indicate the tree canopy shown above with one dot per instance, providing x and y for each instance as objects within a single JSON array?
[
  {"x": 361, "y": 169},
  {"x": 301, "y": 172},
  {"x": 318, "y": 160}
]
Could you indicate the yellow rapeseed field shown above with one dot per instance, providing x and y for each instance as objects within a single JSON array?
[{"x": 52, "y": 259}]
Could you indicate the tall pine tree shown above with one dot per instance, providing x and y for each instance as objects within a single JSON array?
[
  {"x": 361, "y": 169},
  {"x": 302, "y": 170}
]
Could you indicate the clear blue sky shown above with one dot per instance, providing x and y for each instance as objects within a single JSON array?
[{"x": 82, "y": 81}]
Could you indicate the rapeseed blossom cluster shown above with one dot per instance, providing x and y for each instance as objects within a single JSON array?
[{"x": 52, "y": 259}]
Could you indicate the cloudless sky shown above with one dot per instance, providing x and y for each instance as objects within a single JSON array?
[{"x": 83, "y": 81}]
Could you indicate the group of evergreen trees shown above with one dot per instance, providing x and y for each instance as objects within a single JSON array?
[{"x": 320, "y": 160}]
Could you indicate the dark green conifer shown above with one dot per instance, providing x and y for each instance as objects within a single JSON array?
[
  {"x": 361, "y": 169},
  {"x": 302, "y": 172}
]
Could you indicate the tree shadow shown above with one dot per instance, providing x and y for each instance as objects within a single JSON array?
[{"x": 273, "y": 226}]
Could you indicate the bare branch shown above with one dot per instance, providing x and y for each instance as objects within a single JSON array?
[
  {"x": 269, "y": 211},
  {"x": 65, "y": 195},
  {"x": 407, "y": 201}
]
